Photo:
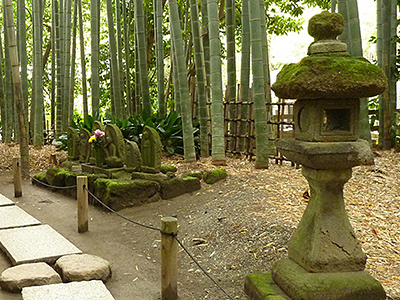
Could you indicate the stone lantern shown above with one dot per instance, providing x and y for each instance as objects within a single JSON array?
[{"x": 325, "y": 259}]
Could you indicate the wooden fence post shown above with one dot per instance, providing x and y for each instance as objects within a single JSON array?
[
  {"x": 169, "y": 263},
  {"x": 82, "y": 197},
  {"x": 17, "y": 177}
]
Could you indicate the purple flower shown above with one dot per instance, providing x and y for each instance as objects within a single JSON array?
[{"x": 98, "y": 133}]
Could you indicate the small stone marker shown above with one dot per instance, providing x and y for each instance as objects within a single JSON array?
[
  {"x": 4, "y": 201},
  {"x": 35, "y": 244},
  {"x": 13, "y": 217},
  {"x": 83, "y": 290},
  {"x": 79, "y": 267},
  {"x": 15, "y": 278}
]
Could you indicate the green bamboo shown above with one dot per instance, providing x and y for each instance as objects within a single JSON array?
[
  {"x": 37, "y": 95},
  {"x": 23, "y": 134},
  {"x": 333, "y": 6},
  {"x": 187, "y": 127},
  {"x": 206, "y": 43},
  {"x": 217, "y": 114},
  {"x": 83, "y": 60},
  {"x": 342, "y": 9},
  {"x": 95, "y": 55},
  {"x": 200, "y": 75},
  {"x": 58, "y": 70},
  {"x": 7, "y": 123},
  {"x": 73, "y": 63},
  {"x": 244, "y": 72},
  {"x": 158, "y": 28},
  {"x": 118, "y": 20},
  {"x": 2, "y": 98},
  {"x": 231, "y": 67},
  {"x": 142, "y": 55},
  {"x": 392, "y": 75},
  {"x": 53, "y": 67},
  {"x": 127, "y": 22},
  {"x": 116, "y": 81},
  {"x": 386, "y": 129},
  {"x": 66, "y": 64},
  {"x": 23, "y": 53},
  {"x": 260, "y": 117}
]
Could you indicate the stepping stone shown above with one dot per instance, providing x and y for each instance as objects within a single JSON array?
[
  {"x": 82, "y": 290},
  {"x": 79, "y": 267},
  {"x": 13, "y": 216},
  {"x": 4, "y": 201},
  {"x": 39, "y": 243},
  {"x": 15, "y": 278}
]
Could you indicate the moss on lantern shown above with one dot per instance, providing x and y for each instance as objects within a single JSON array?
[{"x": 330, "y": 76}]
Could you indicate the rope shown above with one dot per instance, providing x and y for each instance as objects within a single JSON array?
[
  {"x": 203, "y": 270},
  {"x": 123, "y": 217},
  {"x": 166, "y": 233},
  {"x": 45, "y": 184}
]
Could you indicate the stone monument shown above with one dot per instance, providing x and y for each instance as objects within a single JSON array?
[
  {"x": 325, "y": 259},
  {"x": 151, "y": 149}
]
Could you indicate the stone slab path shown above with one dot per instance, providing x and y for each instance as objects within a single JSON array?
[
  {"x": 4, "y": 201},
  {"x": 35, "y": 244},
  {"x": 12, "y": 216},
  {"x": 82, "y": 290}
]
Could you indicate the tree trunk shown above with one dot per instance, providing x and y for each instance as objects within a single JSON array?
[
  {"x": 23, "y": 134},
  {"x": 23, "y": 54},
  {"x": 142, "y": 55},
  {"x": 37, "y": 94},
  {"x": 73, "y": 64},
  {"x": 83, "y": 60},
  {"x": 95, "y": 57},
  {"x": 187, "y": 127},
  {"x": 67, "y": 64},
  {"x": 158, "y": 28},
  {"x": 260, "y": 117},
  {"x": 2, "y": 99},
  {"x": 201, "y": 76},
  {"x": 217, "y": 114},
  {"x": 58, "y": 70},
  {"x": 244, "y": 73},
  {"x": 127, "y": 22},
  {"x": 231, "y": 68}
]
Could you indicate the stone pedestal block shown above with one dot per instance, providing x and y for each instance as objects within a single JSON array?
[
  {"x": 324, "y": 240},
  {"x": 298, "y": 284}
]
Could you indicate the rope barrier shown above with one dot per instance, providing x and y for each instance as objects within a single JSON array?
[
  {"x": 166, "y": 233},
  {"x": 45, "y": 184}
]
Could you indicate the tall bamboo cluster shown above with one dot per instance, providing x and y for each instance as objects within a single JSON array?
[{"x": 119, "y": 43}]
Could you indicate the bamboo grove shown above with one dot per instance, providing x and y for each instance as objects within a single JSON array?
[{"x": 127, "y": 57}]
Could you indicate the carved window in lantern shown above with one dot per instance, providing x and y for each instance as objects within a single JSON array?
[{"x": 337, "y": 120}]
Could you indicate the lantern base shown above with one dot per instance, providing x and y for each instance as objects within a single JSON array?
[{"x": 290, "y": 281}]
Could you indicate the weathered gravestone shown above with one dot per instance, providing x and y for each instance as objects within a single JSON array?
[
  {"x": 325, "y": 259},
  {"x": 151, "y": 147},
  {"x": 73, "y": 144},
  {"x": 85, "y": 149},
  {"x": 114, "y": 148}
]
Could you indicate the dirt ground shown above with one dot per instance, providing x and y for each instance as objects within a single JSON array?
[{"x": 234, "y": 227}]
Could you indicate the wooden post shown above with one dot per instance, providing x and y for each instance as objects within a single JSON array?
[
  {"x": 169, "y": 263},
  {"x": 82, "y": 197},
  {"x": 17, "y": 177}
]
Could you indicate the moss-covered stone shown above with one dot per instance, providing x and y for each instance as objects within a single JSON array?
[
  {"x": 214, "y": 175},
  {"x": 67, "y": 164},
  {"x": 114, "y": 162},
  {"x": 120, "y": 194},
  {"x": 297, "y": 283},
  {"x": 326, "y": 26},
  {"x": 168, "y": 168},
  {"x": 172, "y": 188},
  {"x": 159, "y": 177},
  {"x": 39, "y": 178},
  {"x": 260, "y": 286},
  {"x": 121, "y": 175},
  {"x": 191, "y": 184},
  {"x": 56, "y": 177},
  {"x": 197, "y": 174},
  {"x": 330, "y": 76}
]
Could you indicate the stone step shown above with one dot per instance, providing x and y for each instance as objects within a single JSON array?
[
  {"x": 12, "y": 217},
  {"x": 82, "y": 290},
  {"x": 4, "y": 201},
  {"x": 39, "y": 243}
]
